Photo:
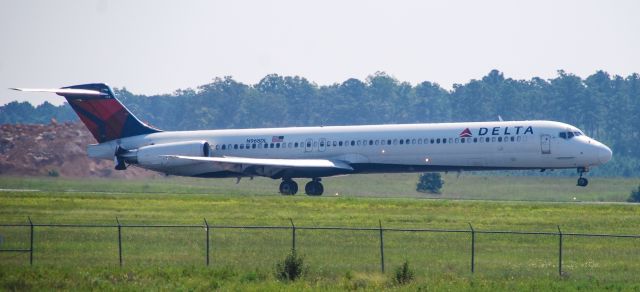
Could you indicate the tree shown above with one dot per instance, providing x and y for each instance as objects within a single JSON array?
[
  {"x": 635, "y": 196},
  {"x": 430, "y": 183}
]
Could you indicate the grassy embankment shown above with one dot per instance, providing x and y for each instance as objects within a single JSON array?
[{"x": 245, "y": 259}]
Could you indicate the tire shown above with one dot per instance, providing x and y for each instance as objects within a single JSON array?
[
  {"x": 583, "y": 182},
  {"x": 288, "y": 188},
  {"x": 314, "y": 188}
]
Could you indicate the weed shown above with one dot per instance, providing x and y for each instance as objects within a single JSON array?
[{"x": 292, "y": 267}]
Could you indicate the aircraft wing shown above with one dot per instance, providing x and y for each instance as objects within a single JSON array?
[{"x": 272, "y": 167}]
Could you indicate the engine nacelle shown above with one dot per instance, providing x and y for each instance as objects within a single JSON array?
[{"x": 155, "y": 155}]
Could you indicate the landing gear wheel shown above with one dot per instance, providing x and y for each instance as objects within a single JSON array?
[
  {"x": 288, "y": 187},
  {"x": 314, "y": 188},
  {"x": 583, "y": 182}
]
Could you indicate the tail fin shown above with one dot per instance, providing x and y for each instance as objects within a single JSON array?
[{"x": 101, "y": 112}]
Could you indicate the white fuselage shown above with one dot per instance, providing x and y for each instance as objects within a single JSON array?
[{"x": 386, "y": 148}]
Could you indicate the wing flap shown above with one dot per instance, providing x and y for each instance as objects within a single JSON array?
[{"x": 275, "y": 162}]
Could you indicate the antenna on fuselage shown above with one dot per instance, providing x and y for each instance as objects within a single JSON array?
[{"x": 500, "y": 118}]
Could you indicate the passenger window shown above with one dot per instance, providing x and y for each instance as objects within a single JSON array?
[
  {"x": 271, "y": 145},
  {"x": 493, "y": 139},
  {"x": 370, "y": 142},
  {"x": 335, "y": 143},
  {"x": 401, "y": 141},
  {"x": 359, "y": 142},
  {"x": 475, "y": 140},
  {"x": 277, "y": 145},
  {"x": 437, "y": 140},
  {"x": 487, "y": 139},
  {"x": 499, "y": 139},
  {"x": 444, "y": 141},
  {"x": 308, "y": 144},
  {"x": 457, "y": 140},
  {"x": 241, "y": 146},
  {"x": 377, "y": 142},
  {"x": 513, "y": 138},
  {"x": 395, "y": 141},
  {"x": 295, "y": 144},
  {"x": 253, "y": 146},
  {"x": 353, "y": 143},
  {"x": 224, "y": 147},
  {"x": 340, "y": 143},
  {"x": 406, "y": 141},
  {"x": 432, "y": 141},
  {"x": 450, "y": 140},
  {"x": 518, "y": 138},
  {"x": 388, "y": 142},
  {"x": 217, "y": 147},
  {"x": 235, "y": 146},
  {"x": 462, "y": 140},
  {"x": 414, "y": 141},
  {"x": 420, "y": 141}
]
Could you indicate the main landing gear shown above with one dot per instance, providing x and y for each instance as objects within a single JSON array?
[
  {"x": 288, "y": 187},
  {"x": 314, "y": 188},
  {"x": 582, "y": 182}
]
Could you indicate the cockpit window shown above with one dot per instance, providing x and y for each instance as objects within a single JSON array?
[{"x": 569, "y": 135}]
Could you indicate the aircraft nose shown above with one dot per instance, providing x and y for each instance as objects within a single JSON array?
[{"x": 604, "y": 154}]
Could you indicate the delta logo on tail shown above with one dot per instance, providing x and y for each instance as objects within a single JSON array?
[{"x": 466, "y": 133}]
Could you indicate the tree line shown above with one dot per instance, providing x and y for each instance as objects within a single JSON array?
[{"x": 605, "y": 107}]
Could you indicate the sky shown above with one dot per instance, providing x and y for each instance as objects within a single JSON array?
[{"x": 155, "y": 47}]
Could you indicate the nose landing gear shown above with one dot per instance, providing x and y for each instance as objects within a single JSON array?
[{"x": 582, "y": 182}]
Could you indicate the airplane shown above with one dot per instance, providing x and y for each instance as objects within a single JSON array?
[{"x": 323, "y": 151}]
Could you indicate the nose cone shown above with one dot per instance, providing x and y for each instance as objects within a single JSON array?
[{"x": 604, "y": 154}]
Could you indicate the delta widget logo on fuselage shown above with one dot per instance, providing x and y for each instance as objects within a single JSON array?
[{"x": 497, "y": 131}]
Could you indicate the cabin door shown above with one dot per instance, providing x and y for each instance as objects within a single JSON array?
[{"x": 545, "y": 144}]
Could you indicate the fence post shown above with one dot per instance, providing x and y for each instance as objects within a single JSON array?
[
  {"x": 293, "y": 236},
  {"x": 31, "y": 242},
  {"x": 559, "y": 251},
  {"x": 381, "y": 247},
  {"x": 473, "y": 248},
  {"x": 119, "y": 241},
  {"x": 206, "y": 228}
]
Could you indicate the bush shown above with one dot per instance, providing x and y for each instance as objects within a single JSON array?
[
  {"x": 430, "y": 183},
  {"x": 291, "y": 269},
  {"x": 403, "y": 274},
  {"x": 53, "y": 173},
  {"x": 635, "y": 196}
]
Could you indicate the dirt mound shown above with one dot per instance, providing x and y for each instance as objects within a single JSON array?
[{"x": 55, "y": 149}]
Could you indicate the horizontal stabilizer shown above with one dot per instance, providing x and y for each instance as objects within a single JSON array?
[
  {"x": 62, "y": 91},
  {"x": 292, "y": 163}
]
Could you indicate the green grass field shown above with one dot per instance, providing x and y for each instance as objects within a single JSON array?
[{"x": 170, "y": 258}]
